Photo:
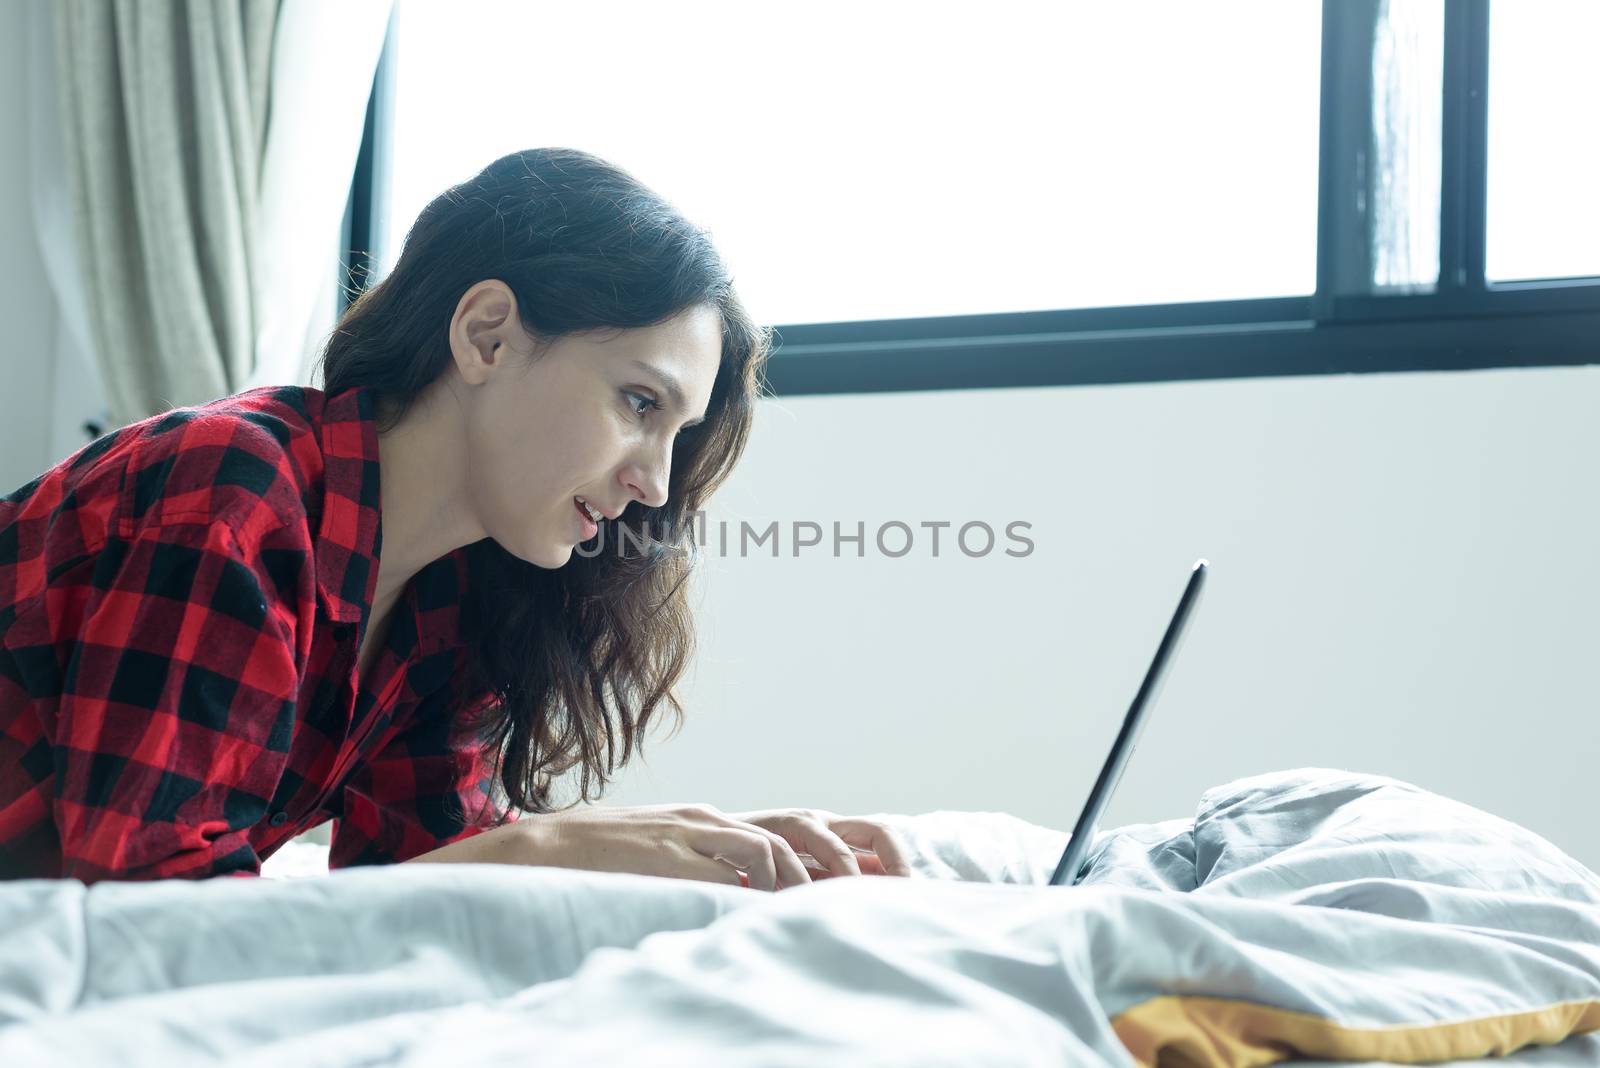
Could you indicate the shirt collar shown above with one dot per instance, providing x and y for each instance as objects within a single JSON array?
[{"x": 350, "y": 538}]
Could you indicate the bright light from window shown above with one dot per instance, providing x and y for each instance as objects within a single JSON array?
[
  {"x": 1544, "y": 156},
  {"x": 1407, "y": 138},
  {"x": 895, "y": 159}
]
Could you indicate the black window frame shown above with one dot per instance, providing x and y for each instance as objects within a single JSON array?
[{"x": 1465, "y": 323}]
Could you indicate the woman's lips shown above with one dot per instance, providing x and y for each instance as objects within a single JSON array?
[{"x": 590, "y": 528}]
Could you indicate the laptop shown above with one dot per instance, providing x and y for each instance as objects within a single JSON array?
[{"x": 1074, "y": 861}]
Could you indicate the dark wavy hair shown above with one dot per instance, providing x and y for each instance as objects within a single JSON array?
[{"x": 574, "y": 661}]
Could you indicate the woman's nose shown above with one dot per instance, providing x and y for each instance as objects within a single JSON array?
[{"x": 647, "y": 481}]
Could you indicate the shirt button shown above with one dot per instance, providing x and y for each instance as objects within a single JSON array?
[{"x": 279, "y": 819}]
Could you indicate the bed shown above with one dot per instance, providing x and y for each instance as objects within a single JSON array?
[{"x": 1306, "y": 916}]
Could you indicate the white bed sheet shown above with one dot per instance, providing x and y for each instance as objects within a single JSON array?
[{"x": 1339, "y": 896}]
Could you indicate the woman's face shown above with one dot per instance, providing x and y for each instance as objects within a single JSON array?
[{"x": 579, "y": 421}]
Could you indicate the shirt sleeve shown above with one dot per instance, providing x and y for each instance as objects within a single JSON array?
[
  {"x": 177, "y": 705},
  {"x": 427, "y": 784}
]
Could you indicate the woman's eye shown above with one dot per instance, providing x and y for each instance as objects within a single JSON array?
[{"x": 649, "y": 403}]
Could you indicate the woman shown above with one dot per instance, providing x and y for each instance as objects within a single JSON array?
[{"x": 229, "y": 623}]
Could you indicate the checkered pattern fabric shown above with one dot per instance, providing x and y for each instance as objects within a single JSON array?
[{"x": 181, "y": 603}]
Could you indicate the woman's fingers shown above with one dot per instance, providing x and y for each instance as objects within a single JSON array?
[
  {"x": 805, "y": 831},
  {"x": 876, "y": 838},
  {"x": 753, "y": 851},
  {"x": 826, "y": 848},
  {"x": 697, "y": 841},
  {"x": 869, "y": 862},
  {"x": 791, "y": 871},
  {"x": 717, "y": 870},
  {"x": 765, "y": 845},
  {"x": 839, "y": 845}
]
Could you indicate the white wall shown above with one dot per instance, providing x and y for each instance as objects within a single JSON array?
[{"x": 1403, "y": 581}]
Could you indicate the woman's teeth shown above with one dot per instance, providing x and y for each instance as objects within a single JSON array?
[{"x": 590, "y": 512}]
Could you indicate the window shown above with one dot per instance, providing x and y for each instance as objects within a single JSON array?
[
  {"x": 1407, "y": 120},
  {"x": 938, "y": 160},
  {"x": 1544, "y": 156},
  {"x": 933, "y": 195}
]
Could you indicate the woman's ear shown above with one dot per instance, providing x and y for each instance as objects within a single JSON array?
[{"x": 478, "y": 330}]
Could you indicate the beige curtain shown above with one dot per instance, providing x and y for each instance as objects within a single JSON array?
[{"x": 169, "y": 115}]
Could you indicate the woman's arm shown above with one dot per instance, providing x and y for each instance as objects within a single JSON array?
[
  {"x": 176, "y": 700},
  {"x": 675, "y": 841},
  {"x": 522, "y": 842}
]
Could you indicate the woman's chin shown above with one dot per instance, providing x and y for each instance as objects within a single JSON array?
[
  {"x": 549, "y": 556},
  {"x": 555, "y": 557}
]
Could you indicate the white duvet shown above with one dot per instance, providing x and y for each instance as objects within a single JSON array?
[{"x": 1302, "y": 914}]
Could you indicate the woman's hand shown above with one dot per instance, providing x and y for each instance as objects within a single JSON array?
[
  {"x": 676, "y": 841},
  {"x": 699, "y": 842},
  {"x": 842, "y": 846}
]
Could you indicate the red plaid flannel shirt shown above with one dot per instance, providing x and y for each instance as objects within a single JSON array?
[{"x": 181, "y": 603}]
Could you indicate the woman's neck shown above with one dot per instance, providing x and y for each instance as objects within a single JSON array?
[{"x": 423, "y": 506}]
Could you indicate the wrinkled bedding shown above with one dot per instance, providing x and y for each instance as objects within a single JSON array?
[{"x": 1303, "y": 914}]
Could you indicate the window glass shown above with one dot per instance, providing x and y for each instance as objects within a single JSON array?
[
  {"x": 899, "y": 159},
  {"x": 1407, "y": 132},
  {"x": 1544, "y": 154}
]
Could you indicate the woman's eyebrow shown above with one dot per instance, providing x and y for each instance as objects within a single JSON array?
[{"x": 672, "y": 387}]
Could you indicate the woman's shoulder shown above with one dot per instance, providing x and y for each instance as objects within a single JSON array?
[
  {"x": 242, "y": 463},
  {"x": 246, "y": 460}
]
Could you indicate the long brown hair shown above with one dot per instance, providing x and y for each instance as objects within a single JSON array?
[{"x": 577, "y": 659}]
